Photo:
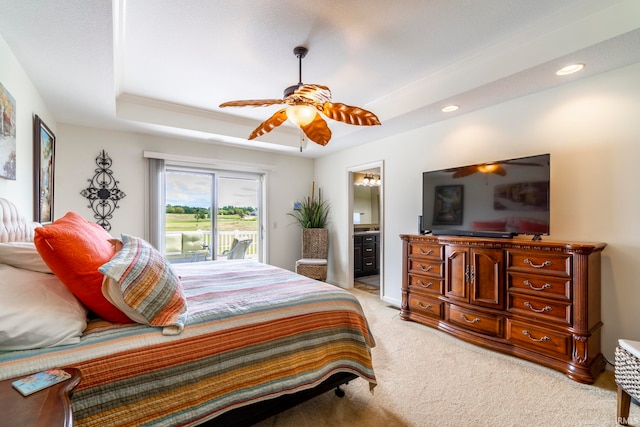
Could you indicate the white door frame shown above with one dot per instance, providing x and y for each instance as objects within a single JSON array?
[{"x": 349, "y": 232}]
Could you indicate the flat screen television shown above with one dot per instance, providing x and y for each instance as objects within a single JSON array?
[{"x": 495, "y": 199}]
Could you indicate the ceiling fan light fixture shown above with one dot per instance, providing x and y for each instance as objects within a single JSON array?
[
  {"x": 301, "y": 115},
  {"x": 488, "y": 168},
  {"x": 304, "y": 103}
]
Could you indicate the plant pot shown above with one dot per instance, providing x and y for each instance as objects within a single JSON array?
[{"x": 315, "y": 243}]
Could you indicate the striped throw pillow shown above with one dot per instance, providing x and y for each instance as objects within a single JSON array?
[{"x": 141, "y": 278}]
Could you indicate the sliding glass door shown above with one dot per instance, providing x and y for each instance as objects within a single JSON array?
[
  {"x": 209, "y": 212},
  {"x": 238, "y": 216}
]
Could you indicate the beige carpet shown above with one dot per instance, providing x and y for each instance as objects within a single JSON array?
[{"x": 428, "y": 378}]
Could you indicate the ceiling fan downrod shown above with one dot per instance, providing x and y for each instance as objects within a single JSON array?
[{"x": 300, "y": 52}]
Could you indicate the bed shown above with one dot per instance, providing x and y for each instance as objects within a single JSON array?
[{"x": 254, "y": 340}]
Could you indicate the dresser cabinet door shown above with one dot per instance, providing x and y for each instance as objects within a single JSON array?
[
  {"x": 357, "y": 260},
  {"x": 457, "y": 273},
  {"x": 475, "y": 276},
  {"x": 486, "y": 278},
  {"x": 357, "y": 256}
]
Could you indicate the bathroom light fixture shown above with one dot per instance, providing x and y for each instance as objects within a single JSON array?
[
  {"x": 369, "y": 180},
  {"x": 569, "y": 69}
]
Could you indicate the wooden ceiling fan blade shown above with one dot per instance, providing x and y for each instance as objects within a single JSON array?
[
  {"x": 271, "y": 123},
  {"x": 317, "y": 131},
  {"x": 500, "y": 171},
  {"x": 252, "y": 103},
  {"x": 464, "y": 171},
  {"x": 350, "y": 115}
]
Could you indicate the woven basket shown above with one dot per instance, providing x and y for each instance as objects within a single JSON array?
[
  {"x": 315, "y": 243},
  {"x": 627, "y": 372},
  {"x": 318, "y": 272}
]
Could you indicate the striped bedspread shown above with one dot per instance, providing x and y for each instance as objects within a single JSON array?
[{"x": 254, "y": 332}]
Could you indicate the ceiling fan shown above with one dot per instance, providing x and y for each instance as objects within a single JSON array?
[
  {"x": 492, "y": 167},
  {"x": 304, "y": 103}
]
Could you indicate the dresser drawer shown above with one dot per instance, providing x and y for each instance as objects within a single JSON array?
[
  {"x": 551, "y": 287},
  {"x": 485, "y": 323},
  {"x": 368, "y": 265},
  {"x": 426, "y": 250},
  {"x": 539, "y": 339},
  {"x": 426, "y": 284},
  {"x": 536, "y": 308},
  {"x": 540, "y": 263},
  {"x": 368, "y": 249},
  {"x": 425, "y": 306},
  {"x": 369, "y": 238},
  {"x": 425, "y": 266}
]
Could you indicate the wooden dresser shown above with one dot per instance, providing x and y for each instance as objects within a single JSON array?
[{"x": 538, "y": 300}]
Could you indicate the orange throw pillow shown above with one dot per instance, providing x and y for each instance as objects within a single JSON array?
[{"x": 74, "y": 249}]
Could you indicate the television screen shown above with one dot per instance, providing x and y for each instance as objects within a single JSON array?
[{"x": 505, "y": 197}]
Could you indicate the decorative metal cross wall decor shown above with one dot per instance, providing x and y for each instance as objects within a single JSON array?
[{"x": 103, "y": 193}]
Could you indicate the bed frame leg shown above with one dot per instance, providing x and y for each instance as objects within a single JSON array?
[{"x": 339, "y": 391}]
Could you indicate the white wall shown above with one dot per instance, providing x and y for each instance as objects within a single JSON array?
[
  {"x": 289, "y": 180},
  {"x": 28, "y": 103},
  {"x": 592, "y": 130}
]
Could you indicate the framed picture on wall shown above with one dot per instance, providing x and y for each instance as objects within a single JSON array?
[
  {"x": 44, "y": 147},
  {"x": 448, "y": 205},
  {"x": 7, "y": 134}
]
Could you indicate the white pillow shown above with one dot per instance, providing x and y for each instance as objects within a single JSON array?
[
  {"x": 37, "y": 310},
  {"x": 23, "y": 255}
]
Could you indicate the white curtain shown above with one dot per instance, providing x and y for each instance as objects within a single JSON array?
[{"x": 157, "y": 203}]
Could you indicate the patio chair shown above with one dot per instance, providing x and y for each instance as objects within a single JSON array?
[{"x": 238, "y": 249}]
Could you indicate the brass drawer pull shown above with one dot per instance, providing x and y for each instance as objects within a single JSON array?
[
  {"x": 423, "y": 252},
  {"x": 543, "y": 265},
  {"x": 542, "y": 310},
  {"x": 543, "y": 339},
  {"x": 423, "y": 268},
  {"x": 476, "y": 320},
  {"x": 541, "y": 288},
  {"x": 421, "y": 283},
  {"x": 426, "y": 307}
]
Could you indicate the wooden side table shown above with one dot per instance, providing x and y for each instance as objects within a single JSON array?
[{"x": 45, "y": 408}]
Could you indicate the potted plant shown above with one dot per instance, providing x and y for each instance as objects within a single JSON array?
[{"x": 313, "y": 214}]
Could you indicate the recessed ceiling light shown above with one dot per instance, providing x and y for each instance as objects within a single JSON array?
[
  {"x": 570, "y": 69},
  {"x": 450, "y": 108}
]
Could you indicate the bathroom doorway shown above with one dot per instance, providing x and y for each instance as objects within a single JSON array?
[{"x": 366, "y": 227}]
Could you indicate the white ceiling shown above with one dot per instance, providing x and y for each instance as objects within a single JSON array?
[{"x": 164, "y": 66}]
